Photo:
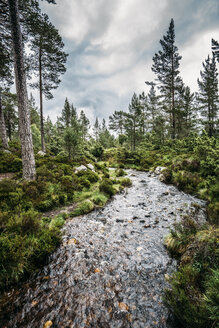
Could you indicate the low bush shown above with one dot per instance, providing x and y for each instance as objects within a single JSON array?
[
  {"x": 126, "y": 182},
  {"x": 25, "y": 241},
  {"x": 120, "y": 173},
  {"x": 99, "y": 199},
  {"x": 191, "y": 296},
  {"x": 9, "y": 162},
  {"x": 83, "y": 208},
  {"x": 106, "y": 186}
]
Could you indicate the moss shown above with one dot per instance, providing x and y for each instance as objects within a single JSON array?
[{"x": 83, "y": 208}]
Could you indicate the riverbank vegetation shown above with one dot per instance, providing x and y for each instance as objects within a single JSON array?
[{"x": 45, "y": 165}]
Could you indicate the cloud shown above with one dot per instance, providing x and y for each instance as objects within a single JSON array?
[{"x": 111, "y": 45}]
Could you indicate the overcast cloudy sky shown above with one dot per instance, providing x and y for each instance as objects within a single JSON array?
[{"x": 111, "y": 44}]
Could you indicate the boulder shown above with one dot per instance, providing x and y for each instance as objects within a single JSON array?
[
  {"x": 6, "y": 151},
  {"x": 41, "y": 153},
  {"x": 159, "y": 169},
  {"x": 80, "y": 168},
  {"x": 91, "y": 167},
  {"x": 162, "y": 178}
]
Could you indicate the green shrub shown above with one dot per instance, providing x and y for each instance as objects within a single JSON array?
[
  {"x": 44, "y": 174},
  {"x": 45, "y": 205},
  {"x": 85, "y": 182},
  {"x": 83, "y": 208},
  {"x": 24, "y": 223},
  {"x": 120, "y": 173},
  {"x": 126, "y": 182},
  {"x": 99, "y": 199},
  {"x": 186, "y": 181},
  {"x": 89, "y": 175},
  {"x": 57, "y": 222},
  {"x": 9, "y": 163},
  {"x": 211, "y": 297},
  {"x": 97, "y": 151},
  {"x": 192, "y": 288},
  {"x": 106, "y": 186}
]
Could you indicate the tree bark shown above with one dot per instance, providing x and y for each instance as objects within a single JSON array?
[
  {"x": 43, "y": 145},
  {"x": 173, "y": 104},
  {"x": 28, "y": 160},
  {"x": 3, "y": 132}
]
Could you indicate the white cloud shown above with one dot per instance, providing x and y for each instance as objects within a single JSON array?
[{"x": 193, "y": 54}]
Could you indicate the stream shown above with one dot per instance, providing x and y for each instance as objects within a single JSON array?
[{"x": 111, "y": 268}]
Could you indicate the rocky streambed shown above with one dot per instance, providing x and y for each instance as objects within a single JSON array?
[{"x": 111, "y": 268}]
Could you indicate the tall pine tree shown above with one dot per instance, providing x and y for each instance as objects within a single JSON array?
[
  {"x": 47, "y": 59},
  {"x": 208, "y": 95},
  {"x": 166, "y": 67}
]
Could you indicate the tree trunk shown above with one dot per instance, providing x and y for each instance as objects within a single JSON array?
[
  {"x": 3, "y": 132},
  {"x": 43, "y": 145},
  {"x": 28, "y": 160},
  {"x": 173, "y": 103}
]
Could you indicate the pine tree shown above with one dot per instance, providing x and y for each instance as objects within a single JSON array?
[
  {"x": 117, "y": 122},
  {"x": 6, "y": 64},
  {"x": 208, "y": 94},
  {"x": 28, "y": 160},
  {"x": 9, "y": 104},
  {"x": 215, "y": 48},
  {"x": 188, "y": 111},
  {"x": 166, "y": 67},
  {"x": 47, "y": 59},
  {"x": 66, "y": 114},
  {"x": 133, "y": 119},
  {"x": 96, "y": 129},
  {"x": 84, "y": 122}
]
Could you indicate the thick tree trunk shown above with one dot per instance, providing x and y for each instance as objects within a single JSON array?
[
  {"x": 3, "y": 132},
  {"x": 43, "y": 145},
  {"x": 28, "y": 160}
]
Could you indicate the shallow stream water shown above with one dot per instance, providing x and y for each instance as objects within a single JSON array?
[{"x": 110, "y": 270}]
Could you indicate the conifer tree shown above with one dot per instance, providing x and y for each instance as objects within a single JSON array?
[
  {"x": 28, "y": 159},
  {"x": 188, "y": 110},
  {"x": 66, "y": 114},
  {"x": 208, "y": 94},
  {"x": 215, "y": 48},
  {"x": 84, "y": 123},
  {"x": 96, "y": 129},
  {"x": 47, "y": 59},
  {"x": 9, "y": 103},
  {"x": 117, "y": 122},
  {"x": 133, "y": 119},
  {"x": 166, "y": 67}
]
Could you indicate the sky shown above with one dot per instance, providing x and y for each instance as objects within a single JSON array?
[{"x": 111, "y": 44}]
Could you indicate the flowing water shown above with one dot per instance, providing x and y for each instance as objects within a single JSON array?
[{"x": 110, "y": 270}]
